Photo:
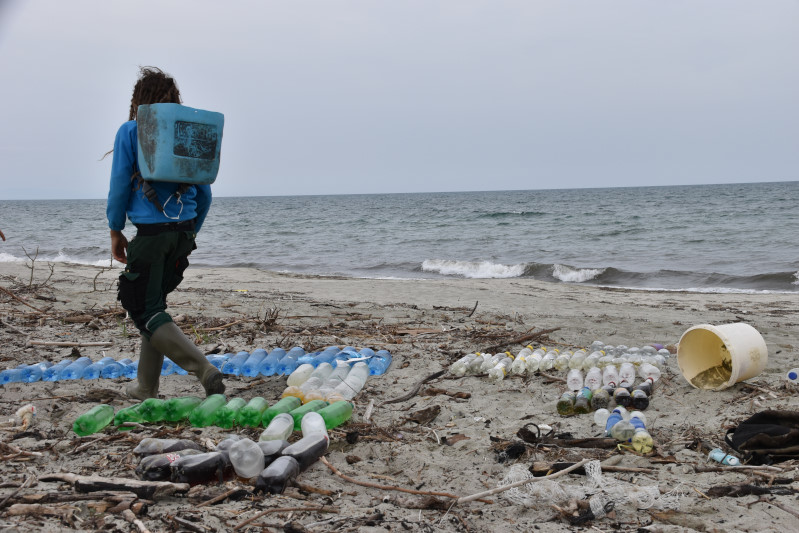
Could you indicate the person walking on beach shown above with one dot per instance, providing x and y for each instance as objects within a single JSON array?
[{"x": 158, "y": 255}]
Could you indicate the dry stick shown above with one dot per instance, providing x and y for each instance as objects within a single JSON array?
[
  {"x": 321, "y": 509},
  {"x": 12, "y": 328},
  {"x": 385, "y": 487},
  {"x": 473, "y": 309},
  {"x": 219, "y": 498},
  {"x": 20, "y": 299},
  {"x": 68, "y": 344},
  {"x": 128, "y": 515},
  {"x": 24, "y": 485},
  {"x": 479, "y": 495},
  {"x": 416, "y": 388},
  {"x": 522, "y": 339}
]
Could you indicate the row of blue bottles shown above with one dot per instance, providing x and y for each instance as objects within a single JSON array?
[
  {"x": 268, "y": 366},
  {"x": 75, "y": 369},
  {"x": 233, "y": 365},
  {"x": 290, "y": 361},
  {"x": 253, "y": 362},
  {"x": 54, "y": 372},
  {"x": 115, "y": 369},
  {"x": 93, "y": 370}
]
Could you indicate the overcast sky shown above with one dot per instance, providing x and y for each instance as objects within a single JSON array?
[{"x": 371, "y": 96}]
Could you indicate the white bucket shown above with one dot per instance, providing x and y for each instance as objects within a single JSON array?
[{"x": 716, "y": 357}]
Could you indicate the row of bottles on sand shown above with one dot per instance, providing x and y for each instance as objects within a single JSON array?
[
  {"x": 251, "y": 364},
  {"x": 268, "y": 464},
  {"x": 625, "y": 427},
  {"x": 528, "y": 361},
  {"x": 603, "y": 390},
  {"x": 281, "y": 418}
]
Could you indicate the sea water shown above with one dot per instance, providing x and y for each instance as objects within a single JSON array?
[{"x": 714, "y": 238}]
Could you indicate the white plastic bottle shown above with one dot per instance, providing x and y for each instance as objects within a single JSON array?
[
  {"x": 533, "y": 362},
  {"x": 577, "y": 359},
  {"x": 247, "y": 458},
  {"x": 459, "y": 367},
  {"x": 519, "y": 366},
  {"x": 593, "y": 379},
  {"x": 649, "y": 372},
  {"x": 500, "y": 370},
  {"x": 575, "y": 380},
  {"x": 626, "y": 375},
  {"x": 491, "y": 362},
  {"x": 279, "y": 428},
  {"x": 300, "y": 375},
  {"x": 313, "y": 423},
  {"x": 562, "y": 360},
  {"x": 356, "y": 379},
  {"x": 610, "y": 376}
]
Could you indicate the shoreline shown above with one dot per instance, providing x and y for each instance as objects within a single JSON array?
[{"x": 426, "y": 325}]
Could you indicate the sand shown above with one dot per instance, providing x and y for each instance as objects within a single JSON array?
[{"x": 426, "y": 325}]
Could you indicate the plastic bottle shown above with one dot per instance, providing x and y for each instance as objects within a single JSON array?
[
  {"x": 622, "y": 397},
  {"x": 336, "y": 414},
  {"x": 565, "y": 405},
  {"x": 94, "y": 420},
  {"x": 577, "y": 359},
  {"x": 218, "y": 359},
  {"x": 622, "y": 430},
  {"x": 641, "y": 439},
  {"x": 279, "y": 428},
  {"x": 115, "y": 369},
  {"x": 203, "y": 468},
  {"x": 177, "y": 409},
  {"x": 307, "y": 450},
  {"x": 132, "y": 370},
  {"x": 313, "y": 423},
  {"x": 500, "y": 370},
  {"x": 610, "y": 376},
  {"x": 205, "y": 414},
  {"x": 272, "y": 449},
  {"x": 719, "y": 456},
  {"x": 285, "y": 405},
  {"x": 299, "y": 412},
  {"x": 75, "y": 369},
  {"x": 153, "y": 410},
  {"x": 582, "y": 403},
  {"x": 250, "y": 414},
  {"x": 615, "y": 417},
  {"x": 547, "y": 362},
  {"x": 649, "y": 372},
  {"x": 601, "y": 417},
  {"x": 224, "y": 445},
  {"x": 477, "y": 363},
  {"x": 593, "y": 378},
  {"x": 645, "y": 386},
  {"x": 128, "y": 414},
  {"x": 251, "y": 366},
  {"x": 226, "y": 415},
  {"x": 268, "y": 366},
  {"x": 233, "y": 365},
  {"x": 626, "y": 374},
  {"x": 275, "y": 477},
  {"x": 152, "y": 446},
  {"x": 247, "y": 458},
  {"x": 591, "y": 360},
  {"x": 379, "y": 363},
  {"x": 288, "y": 362},
  {"x": 600, "y": 399},
  {"x": 168, "y": 367},
  {"x": 325, "y": 356},
  {"x": 562, "y": 361},
  {"x": 300, "y": 375},
  {"x": 459, "y": 367},
  {"x": 793, "y": 375},
  {"x": 14, "y": 375},
  {"x": 314, "y": 381},
  {"x": 37, "y": 371},
  {"x": 575, "y": 379},
  {"x": 53, "y": 373},
  {"x": 490, "y": 361},
  {"x": 158, "y": 467},
  {"x": 639, "y": 399},
  {"x": 533, "y": 361},
  {"x": 353, "y": 383}
]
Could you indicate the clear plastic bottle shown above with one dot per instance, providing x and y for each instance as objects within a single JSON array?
[
  {"x": 591, "y": 360},
  {"x": 490, "y": 362},
  {"x": 548, "y": 361},
  {"x": 604, "y": 361},
  {"x": 626, "y": 375},
  {"x": 533, "y": 362},
  {"x": 622, "y": 431},
  {"x": 279, "y": 428},
  {"x": 339, "y": 374},
  {"x": 477, "y": 363},
  {"x": 300, "y": 375},
  {"x": 251, "y": 366},
  {"x": 615, "y": 417},
  {"x": 575, "y": 379},
  {"x": 500, "y": 370},
  {"x": 641, "y": 439},
  {"x": 247, "y": 458},
  {"x": 354, "y": 382},
  {"x": 577, "y": 359},
  {"x": 593, "y": 379},
  {"x": 601, "y": 417},
  {"x": 519, "y": 365},
  {"x": 459, "y": 367},
  {"x": 610, "y": 376},
  {"x": 313, "y": 423},
  {"x": 562, "y": 361},
  {"x": 649, "y": 372}
]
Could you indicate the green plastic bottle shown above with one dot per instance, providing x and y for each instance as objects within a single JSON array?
[
  {"x": 177, "y": 409},
  {"x": 226, "y": 415},
  {"x": 250, "y": 414},
  {"x": 205, "y": 414},
  {"x": 93, "y": 420},
  {"x": 153, "y": 409},
  {"x": 336, "y": 414},
  {"x": 128, "y": 414},
  {"x": 565, "y": 405},
  {"x": 299, "y": 412},
  {"x": 283, "y": 406}
]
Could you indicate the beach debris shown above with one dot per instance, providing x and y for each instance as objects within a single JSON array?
[
  {"x": 415, "y": 389},
  {"x": 22, "y": 419},
  {"x": 150, "y": 490},
  {"x": 423, "y": 416}
]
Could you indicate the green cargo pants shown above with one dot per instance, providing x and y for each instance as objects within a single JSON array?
[{"x": 155, "y": 268}]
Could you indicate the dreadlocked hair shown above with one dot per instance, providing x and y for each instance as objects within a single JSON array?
[{"x": 154, "y": 86}]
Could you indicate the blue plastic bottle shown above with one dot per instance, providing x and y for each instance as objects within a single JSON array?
[
  {"x": 132, "y": 370},
  {"x": 307, "y": 358},
  {"x": 167, "y": 367},
  {"x": 115, "y": 369},
  {"x": 54, "y": 372},
  {"x": 176, "y": 368},
  {"x": 75, "y": 370},
  {"x": 379, "y": 362},
  {"x": 253, "y": 362},
  {"x": 268, "y": 366},
  {"x": 93, "y": 370},
  {"x": 234, "y": 364},
  {"x": 218, "y": 359},
  {"x": 327, "y": 356},
  {"x": 13, "y": 375},
  {"x": 37, "y": 371},
  {"x": 289, "y": 361},
  {"x": 615, "y": 416}
]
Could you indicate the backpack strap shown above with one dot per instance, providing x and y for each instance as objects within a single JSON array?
[{"x": 150, "y": 192}]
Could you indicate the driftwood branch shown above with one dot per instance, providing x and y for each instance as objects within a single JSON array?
[
  {"x": 150, "y": 490},
  {"x": 415, "y": 390},
  {"x": 20, "y": 300},
  {"x": 315, "y": 509},
  {"x": 519, "y": 340},
  {"x": 70, "y": 344}
]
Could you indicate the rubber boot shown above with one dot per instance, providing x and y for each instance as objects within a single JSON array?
[
  {"x": 148, "y": 374},
  {"x": 168, "y": 339}
]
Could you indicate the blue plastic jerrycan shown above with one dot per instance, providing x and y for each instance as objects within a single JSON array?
[{"x": 178, "y": 143}]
